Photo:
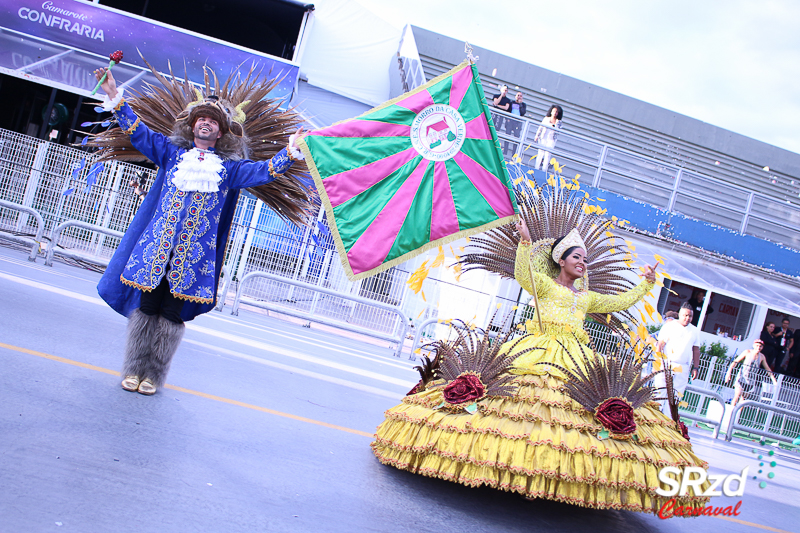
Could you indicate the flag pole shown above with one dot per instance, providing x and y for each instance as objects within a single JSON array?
[{"x": 533, "y": 288}]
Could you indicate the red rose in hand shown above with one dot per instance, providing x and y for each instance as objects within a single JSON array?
[
  {"x": 616, "y": 415},
  {"x": 116, "y": 57},
  {"x": 684, "y": 430},
  {"x": 464, "y": 388}
]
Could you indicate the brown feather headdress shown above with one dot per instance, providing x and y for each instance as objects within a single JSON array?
[
  {"x": 260, "y": 130},
  {"x": 551, "y": 213}
]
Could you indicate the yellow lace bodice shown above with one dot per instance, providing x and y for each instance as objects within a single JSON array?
[{"x": 563, "y": 310}]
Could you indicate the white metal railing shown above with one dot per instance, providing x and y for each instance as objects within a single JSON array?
[
  {"x": 313, "y": 311},
  {"x": 101, "y": 252},
  {"x": 37, "y": 237},
  {"x": 652, "y": 181},
  {"x": 784, "y": 427}
]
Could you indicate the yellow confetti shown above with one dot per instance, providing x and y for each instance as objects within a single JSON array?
[
  {"x": 421, "y": 313},
  {"x": 658, "y": 259},
  {"x": 666, "y": 275},
  {"x": 423, "y": 296},
  {"x": 439, "y": 261}
]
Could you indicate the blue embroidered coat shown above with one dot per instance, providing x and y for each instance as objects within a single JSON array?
[{"x": 181, "y": 235}]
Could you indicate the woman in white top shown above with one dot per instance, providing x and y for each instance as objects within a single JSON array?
[{"x": 546, "y": 135}]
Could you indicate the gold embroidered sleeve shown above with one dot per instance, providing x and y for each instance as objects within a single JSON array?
[
  {"x": 608, "y": 303},
  {"x": 532, "y": 261}
]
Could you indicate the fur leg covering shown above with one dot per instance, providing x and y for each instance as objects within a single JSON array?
[
  {"x": 165, "y": 344},
  {"x": 142, "y": 329}
]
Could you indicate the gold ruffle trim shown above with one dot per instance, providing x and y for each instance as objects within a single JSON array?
[
  {"x": 193, "y": 299},
  {"x": 538, "y": 443}
]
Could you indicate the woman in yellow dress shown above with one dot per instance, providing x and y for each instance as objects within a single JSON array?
[{"x": 539, "y": 442}]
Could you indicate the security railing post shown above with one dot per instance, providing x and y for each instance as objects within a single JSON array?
[
  {"x": 674, "y": 196},
  {"x": 746, "y": 217},
  {"x": 599, "y": 171}
]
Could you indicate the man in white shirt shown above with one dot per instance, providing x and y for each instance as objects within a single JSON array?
[{"x": 679, "y": 341}]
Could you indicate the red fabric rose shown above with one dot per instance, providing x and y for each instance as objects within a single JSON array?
[
  {"x": 684, "y": 430},
  {"x": 616, "y": 415},
  {"x": 464, "y": 388},
  {"x": 116, "y": 57}
]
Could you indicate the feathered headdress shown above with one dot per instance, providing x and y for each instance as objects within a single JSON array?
[
  {"x": 549, "y": 214},
  {"x": 471, "y": 366},
  {"x": 256, "y": 127},
  {"x": 611, "y": 387}
]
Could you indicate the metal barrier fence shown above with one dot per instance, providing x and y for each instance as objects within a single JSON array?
[
  {"x": 783, "y": 427},
  {"x": 784, "y": 395},
  {"x": 303, "y": 300},
  {"x": 670, "y": 187},
  {"x": 37, "y": 238},
  {"x": 101, "y": 251},
  {"x": 64, "y": 183}
]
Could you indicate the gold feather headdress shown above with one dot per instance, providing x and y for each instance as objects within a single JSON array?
[
  {"x": 258, "y": 129},
  {"x": 550, "y": 213}
]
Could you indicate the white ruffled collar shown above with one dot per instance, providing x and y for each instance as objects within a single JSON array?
[{"x": 198, "y": 171}]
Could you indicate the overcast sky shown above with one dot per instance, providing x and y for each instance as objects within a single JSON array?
[{"x": 733, "y": 63}]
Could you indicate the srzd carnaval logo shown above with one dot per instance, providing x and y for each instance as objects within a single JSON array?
[
  {"x": 438, "y": 132},
  {"x": 680, "y": 487}
]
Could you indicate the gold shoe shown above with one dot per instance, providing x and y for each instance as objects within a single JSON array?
[
  {"x": 146, "y": 387},
  {"x": 130, "y": 383}
]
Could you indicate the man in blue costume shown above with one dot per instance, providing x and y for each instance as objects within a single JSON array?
[{"x": 167, "y": 266}]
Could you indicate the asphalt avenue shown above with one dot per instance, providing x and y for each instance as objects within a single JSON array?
[{"x": 265, "y": 426}]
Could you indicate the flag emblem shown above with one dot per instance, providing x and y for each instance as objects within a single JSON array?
[{"x": 438, "y": 132}]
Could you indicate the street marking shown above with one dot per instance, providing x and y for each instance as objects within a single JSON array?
[
  {"x": 293, "y": 369},
  {"x": 274, "y": 412},
  {"x": 192, "y": 392},
  {"x": 329, "y": 346},
  {"x": 50, "y": 288},
  {"x": 230, "y": 337},
  {"x": 59, "y": 359},
  {"x": 752, "y": 524},
  {"x": 300, "y": 356}
]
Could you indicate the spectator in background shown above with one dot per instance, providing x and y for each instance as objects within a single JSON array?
[
  {"x": 518, "y": 108},
  {"x": 785, "y": 339},
  {"x": 679, "y": 342},
  {"x": 794, "y": 354},
  {"x": 696, "y": 301},
  {"x": 770, "y": 343},
  {"x": 747, "y": 378},
  {"x": 501, "y": 100},
  {"x": 547, "y": 135}
]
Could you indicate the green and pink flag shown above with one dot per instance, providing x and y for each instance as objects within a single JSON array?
[{"x": 411, "y": 174}]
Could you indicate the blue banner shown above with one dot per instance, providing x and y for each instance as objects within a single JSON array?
[{"x": 101, "y": 30}]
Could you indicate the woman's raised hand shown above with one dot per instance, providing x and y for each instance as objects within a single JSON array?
[
  {"x": 522, "y": 228},
  {"x": 650, "y": 273}
]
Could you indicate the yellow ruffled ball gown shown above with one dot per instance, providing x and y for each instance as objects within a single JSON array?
[{"x": 539, "y": 442}]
